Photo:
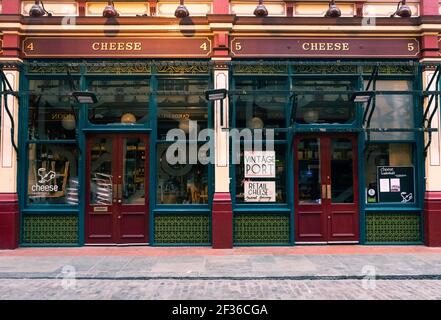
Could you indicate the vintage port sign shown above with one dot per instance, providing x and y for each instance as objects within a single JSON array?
[
  {"x": 325, "y": 47},
  {"x": 49, "y": 47}
]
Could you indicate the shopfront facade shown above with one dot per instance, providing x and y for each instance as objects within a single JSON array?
[{"x": 345, "y": 111}]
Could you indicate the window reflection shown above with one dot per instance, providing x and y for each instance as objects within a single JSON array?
[
  {"x": 52, "y": 113},
  {"x": 317, "y": 104},
  {"x": 124, "y": 102}
]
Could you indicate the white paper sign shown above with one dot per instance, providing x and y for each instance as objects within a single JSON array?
[
  {"x": 260, "y": 164},
  {"x": 384, "y": 185},
  {"x": 260, "y": 191}
]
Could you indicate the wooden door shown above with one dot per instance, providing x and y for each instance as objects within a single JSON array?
[
  {"x": 326, "y": 188},
  {"x": 117, "y": 189}
]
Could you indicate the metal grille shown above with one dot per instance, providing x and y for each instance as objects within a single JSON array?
[
  {"x": 261, "y": 229},
  {"x": 393, "y": 227},
  {"x": 50, "y": 229},
  {"x": 184, "y": 229}
]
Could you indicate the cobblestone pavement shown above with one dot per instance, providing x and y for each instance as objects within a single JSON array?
[
  {"x": 346, "y": 272},
  {"x": 219, "y": 289}
]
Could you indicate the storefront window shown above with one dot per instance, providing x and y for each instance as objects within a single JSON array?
[
  {"x": 181, "y": 101},
  {"x": 261, "y": 110},
  {"x": 52, "y": 112},
  {"x": 393, "y": 111},
  {"x": 279, "y": 177},
  {"x": 53, "y": 174},
  {"x": 388, "y": 155},
  {"x": 122, "y": 102},
  {"x": 180, "y": 183},
  {"x": 317, "y": 104}
]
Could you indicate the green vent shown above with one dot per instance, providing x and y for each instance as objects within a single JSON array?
[
  {"x": 50, "y": 229},
  {"x": 393, "y": 227},
  {"x": 184, "y": 229},
  {"x": 261, "y": 229}
]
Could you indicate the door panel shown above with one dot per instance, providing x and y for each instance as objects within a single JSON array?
[
  {"x": 100, "y": 211},
  {"x": 117, "y": 208},
  {"x": 133, "y": 218},
  {"x": 326, "y": 194},
  {"x": 310, "y": 206}
]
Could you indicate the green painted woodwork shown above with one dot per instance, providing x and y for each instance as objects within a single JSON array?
[
  {"x": 177, "y": 229},
  {"x": 267, "y": 228},
  {"x": 50, "y": 229},
  {"x": 393, "y": 227}
]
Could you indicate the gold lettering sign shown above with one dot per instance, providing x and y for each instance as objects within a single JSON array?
[
  {"x": 116, "y": 46},
  {"x": 325, "y": 46}
]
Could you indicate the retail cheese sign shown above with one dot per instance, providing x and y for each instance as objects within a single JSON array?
[
  {"x": 260, "y": 191},
  {"x": 325, "y": 47},
  {"x": 260, "y": 164},
  {"x": 87, "y": 47},
  {"x": 396, "y": 184}
]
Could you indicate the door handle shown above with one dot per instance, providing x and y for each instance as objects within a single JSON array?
[
  {"x": 324, "y": 191},
  {"x": 328, "y": 191},
  {"x": 119, "y": 193},
  {"x": 114, "y": 192}
]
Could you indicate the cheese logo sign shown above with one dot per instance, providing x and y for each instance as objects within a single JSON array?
[{"x": 260, "y": 164}]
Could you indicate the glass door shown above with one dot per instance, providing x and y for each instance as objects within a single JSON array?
[
  {"x": 117, "y": 189},
  {"x": 326, "y": 198}
]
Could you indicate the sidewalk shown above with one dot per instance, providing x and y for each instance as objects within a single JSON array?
[{"x": 300, "y": 262}]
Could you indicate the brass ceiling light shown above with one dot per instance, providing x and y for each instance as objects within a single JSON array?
[
  {"x": 38, "y": 10},
  {"x": 110, "y": 11},
  {"x": 181, "y": 10},
  {"x": 402, "y": 11},
  {"x": 333, "y": 11},
  {"x": 260, "y": 10}
]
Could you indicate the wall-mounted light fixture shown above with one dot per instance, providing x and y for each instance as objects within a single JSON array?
[
  {"x": 110, "y": 11},
  {"x": 403, "y": 10},
  {"x": 260, "y": 10},
  {"x": 333, "y": 11},
  {"x": 85, "y": 97},
  {"x": 38, "y": 10},
  {"x": 181, "y": 10}
]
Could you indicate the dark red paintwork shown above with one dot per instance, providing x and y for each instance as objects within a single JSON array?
[
  {"x": 122, "y": 223},
  {"x": 432, "y": 218},
  {"x": 222, "y": 221},
  {"x": 327, "y": 221},
  {"x": 9, "y": 221}
]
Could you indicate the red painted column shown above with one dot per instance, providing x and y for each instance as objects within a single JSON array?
[
  {"x": 11, "y": 7},
  {"x": 9, "y": 221},
  {"x": 432, "y": 218},
  {"x": 429, "y": 7},
  {"x": 222, "y": 221},
  {"x": 221, "y": 7}
]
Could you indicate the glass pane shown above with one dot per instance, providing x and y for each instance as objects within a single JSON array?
[
  {"x": 101, "y": 188},
  {"x": 317, "y": 104},
  {"x": 52, "y": 112},
  {"x": 309, "y": 180},
  {"x": 123, "y": 102},
  {"x": 264, "y": 109},
  {"x": 384, "y": 154},
  {"x": 393, "y": 111},
  {"x": 179, "y": 101},
  {"x": 342, "y": 179},
  {"x": 180, "y": 183},
  {"x": 280, "y": 174},
  {"x": 53, "y": 174},
  {"x": 133, "y": 191}
]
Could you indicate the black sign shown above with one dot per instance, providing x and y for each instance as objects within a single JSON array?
[
  {"x": 216, "y": 94},
  {"x": 396, "y": 184}
]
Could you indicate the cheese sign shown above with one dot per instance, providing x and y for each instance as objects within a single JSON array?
[
  {"x": 260, "y": 164},
  {"x": 260, "y": 191}
]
